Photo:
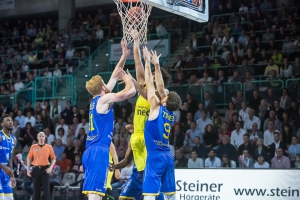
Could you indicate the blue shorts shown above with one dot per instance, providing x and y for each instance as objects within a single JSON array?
[
  {"x": 95, "y": 161},
  {"x": 5, "y": 185},
  {"x": 132, "y": 189},
  {"x": 159, "y": 174}
]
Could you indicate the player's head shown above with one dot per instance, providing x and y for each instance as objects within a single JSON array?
[
  {"x": 172, "y": 101},
  {"x": 6, "y": 122},
  {"x": 96, "y": 86},
  {"x": 165, "y": 76}
]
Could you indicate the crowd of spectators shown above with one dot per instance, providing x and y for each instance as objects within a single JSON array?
[
  {"x": 36, "y": 48},
  {"x": 243, "y": 47},
  {"x": 251, "y": 44}
]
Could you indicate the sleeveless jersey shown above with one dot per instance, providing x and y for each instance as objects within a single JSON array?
[
  {"x": 157, "y": 131},
  {"x": 101, "y": 126},
  {"x": 7, "y": 145},
  {"x": 141, "y": 113}
]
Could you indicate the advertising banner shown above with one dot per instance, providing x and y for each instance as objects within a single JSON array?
[
  {"x": 7, "y": 4},
  {"x": 231, "y": 184},
  {"x": 161, "y": 47}
]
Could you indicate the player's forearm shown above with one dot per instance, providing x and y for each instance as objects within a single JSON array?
[
  {"x": 112, "y": 83},
  {"x": 122, "y": 61},
  {"x": 149, "y": 79},
  {"x": 113, "y": 153},
  {"x": 113, "y": 80},
  {"x": 126, "y": 161},
  {"x": 140, "y": 89},
  {"x": 129, "y": 90},
  {"x": 28, "y": 164},
  {"x": 10, "y": 164},
  {"x": 52, "y": 163},
  {"x": 136, "y": 51},
  {"x": 140, "y": 72},
  {"x": 122, "y": 164},
  {"x": 160, "y": 86}
]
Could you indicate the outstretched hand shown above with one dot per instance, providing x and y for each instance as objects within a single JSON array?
[
  {"x": 125, "y": 51},
  {"x": 118, "y": 73},
  {"x": 147, "y": 55},
  {"x": 111, "y": 167},
  {"x": 129, "y": 75},
  {"x": 129, "y": 128},
  {"x": 154, "y": 57}
]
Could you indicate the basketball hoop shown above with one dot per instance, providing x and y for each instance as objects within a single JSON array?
[{"x": 134, "y": 15}]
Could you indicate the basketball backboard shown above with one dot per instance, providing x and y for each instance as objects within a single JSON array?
[{"x": 193, "y": 9}]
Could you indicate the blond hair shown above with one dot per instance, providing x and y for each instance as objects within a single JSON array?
[{"x": 94, "y": 85}]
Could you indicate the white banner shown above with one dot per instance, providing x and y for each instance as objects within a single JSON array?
[
  {"x": 7, "y": 4},
  {"x": 233, "y": 184},
  {"x": 162, "y": 48}
]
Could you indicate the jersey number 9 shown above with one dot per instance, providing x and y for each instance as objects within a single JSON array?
[{"x": 167, "y": 128}]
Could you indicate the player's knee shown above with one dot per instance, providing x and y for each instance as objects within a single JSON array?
[
  {"x": 95, "y": 197},
  {"x": 170, "y": 197},
  {"x": 149, "y": 197}
]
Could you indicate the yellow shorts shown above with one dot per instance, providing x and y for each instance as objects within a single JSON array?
[
  {"x": 109, "y": 174},
  {"x": 138, "y": 146}
]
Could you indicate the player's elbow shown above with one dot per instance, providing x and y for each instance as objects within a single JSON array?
[{"x": 131, "y": 92}]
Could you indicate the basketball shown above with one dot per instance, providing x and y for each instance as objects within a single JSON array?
[{"x": 135, "y": 14}]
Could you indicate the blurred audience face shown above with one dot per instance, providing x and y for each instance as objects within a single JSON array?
[
  {"x": 211, "y": 154},
  {"x": 276, "y": 137},
  {"x": 197, "y": 141},
  {"x": 63, "y": 156},
  {"x": 224, "y": 127},
  {"x": 279, "y": 152},
  {"x": 178, "y": 154},
  {"x": 177, "y": 129},
  {"x": 58, "y": 142},
  {"x": 194, "y": 155},
  {"x": 254, "y": 126},
  {"x": 246, "y": 139},
  {"x": 238, "y": 126},
  {"x": 193, "y": 125},
  {"x": 121, "y": 153},
  {"x": 271, "y": 125},
  {"x": 245, "y": 154},
  {"x": 260, "y": 159}
]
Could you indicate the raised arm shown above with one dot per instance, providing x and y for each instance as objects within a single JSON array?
[
  {"x": 113, "y": 79},
  {"x": 160, "y": 85},
  {"x": 109, "y": 98},
  {"x": 139, "y": 88},
  {"x": 140, "y": 72},
  {"x": 152, "y": 98}
]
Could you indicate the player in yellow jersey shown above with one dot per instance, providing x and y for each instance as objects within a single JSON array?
[{"x": 137, "y": 148}]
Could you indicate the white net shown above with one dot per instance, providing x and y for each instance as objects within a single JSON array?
[{"x": 134, "y": 15}]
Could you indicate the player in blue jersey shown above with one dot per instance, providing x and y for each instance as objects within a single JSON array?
[
  {"x": 101, "y": 122},
  {"x": 159, "y": 172},
  {"x": 7, "y": 143}
]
